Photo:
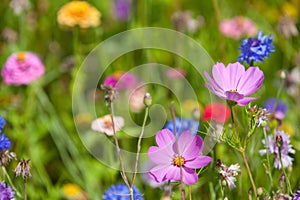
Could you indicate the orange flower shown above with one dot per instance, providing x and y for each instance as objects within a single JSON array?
[{"x": 78, "y": 13}]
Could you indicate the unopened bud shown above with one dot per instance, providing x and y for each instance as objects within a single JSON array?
[
  {"x": 260, "y": 191},
  {"x": 196, "y": 113},
  {"x": 147, "y": 99},
  {"x": 279, "y": 141},
  {"x": 283, "y": 74}
]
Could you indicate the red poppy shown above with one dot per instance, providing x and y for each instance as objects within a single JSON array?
[{"x": 216, "y": 111}]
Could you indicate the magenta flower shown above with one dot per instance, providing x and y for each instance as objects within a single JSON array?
[
  {"x": 22, "y": 68},
  {"x": 121, "y": 80},
  {"x": 233, "y": 83},
  {"x": 170, "y": 160}
]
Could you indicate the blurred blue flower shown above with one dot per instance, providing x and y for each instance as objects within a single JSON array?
[
  {"x": 4, "y": 142},
  {"x": 122, "y": 9},
  {"x": 6, "y": 193},
  {"x": 256, "y": 49},
  {"x": 183, "y": 125},
  {"x": 121, "y": 192},
  {"x": 2, "y": 123},
  {"x": 280, "y": 109}
]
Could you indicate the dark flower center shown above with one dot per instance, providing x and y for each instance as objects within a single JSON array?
[
  {"x": 178, "y": 161},
  {"x": 254, "y": 43}
]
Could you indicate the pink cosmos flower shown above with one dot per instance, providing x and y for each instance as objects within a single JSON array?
[
  {"x": 170, "y": 160},
  {"x": 22, "y": 68},
  {"x": 104, "y": 124},
  {"x": 237, "y": 27},
  {"x": 121, "y": 80},
  {"x": 233, "y": 83}
]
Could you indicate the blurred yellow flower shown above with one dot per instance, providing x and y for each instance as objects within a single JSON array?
[
  {"x": 286, "y": 127},
  {"x": 73, "y": 192},
  {"x": 290, "y": 9},
  {"x": 78, "y": 13}
]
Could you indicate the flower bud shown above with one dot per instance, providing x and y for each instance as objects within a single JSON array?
[{"x": 147, "y": 99}]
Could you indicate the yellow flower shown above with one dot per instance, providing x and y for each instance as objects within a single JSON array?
[
  {"x": 291, "y": 10},
  {"x": 287, "y": 128},
  {"x": 73, "y": 192},
  {"x": 78, "y": 13}
]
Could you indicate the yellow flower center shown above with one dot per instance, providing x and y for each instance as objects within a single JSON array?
[
  {"x": 178, "y": 161},
  {"x": 107, "y": 121},
  {"x": 118, "y": 74},
  {"x": 79, "y": 10},
  {"x": 233, "y": 90},
  {"x": 21, "y": 56},
  {"x": 71, "y": 189}
]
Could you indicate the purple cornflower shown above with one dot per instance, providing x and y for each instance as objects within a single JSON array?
[
  {"x": 2, "y": 123},
  {"x": 233, "y": 83},
  {"x": 22, "y": 68},
  {"x": 279, "y": 144},
  {"x": 121, "y": 192},
  {"x": 280, "y": 109},
  {"x": 6, "y": 193},
  {"x": 171, "y": 157},
  {"x": 4, "y": 142},
  {"x": 296, "y": 195},
  {"x": 122, "y": 9},
  {"x": 228, "y": 173},
  {"x": 256, "y": 49},
  {"x": 183, "y": 125}
]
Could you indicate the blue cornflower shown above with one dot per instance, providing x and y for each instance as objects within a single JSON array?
[
  {"x": 2, "y": 123},
  {"x": 280, "y": 109},
  {"x": 121, "y": 192},
  {"x": 6, "y": 193},
  {"x": 256, "y": 49},
  {"x": 296, "y": 195},
  {"x": 183, "y": 125},
  {"x": 4, "y": 142}
]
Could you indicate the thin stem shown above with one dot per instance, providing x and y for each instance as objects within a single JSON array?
[
  {"x": 249, "y": 173},
  {"x": 25, "y": 188},
  {"x": 268, "y": 159},
  {"x": 218, "y": 20},
  {"x": 233, "y": 124},
  {"x": 139, "y": 145},
  {"x": 122, "y": 171},
  {"x": 190, "y": 192},
  {"x": 10, "y": 182},
  {"x": 177, "y": 147},
  {"x": 285, "y": 174}
]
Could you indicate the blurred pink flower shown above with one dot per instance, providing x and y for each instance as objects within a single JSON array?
[
  {"x": 121, "y": 80},
  {"x": 22, "y": 68},
  {"x": 176, "y": 73},
  {"x": 136, "y": 100},
  {"x": 104, "y": 124},
  {"x": 237, "y": 27}
]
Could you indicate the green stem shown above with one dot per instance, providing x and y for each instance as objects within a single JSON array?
[
  {"x": 249, "y": 172},
  {"x": 190, "y": 192},
  {"x": 10, "y": 182},
  {"x": 268, "y": 160},
  {"x": 233, "y": 124},
  {"x": 285, "y": 175},
  {"x": 139, "y": 145}
]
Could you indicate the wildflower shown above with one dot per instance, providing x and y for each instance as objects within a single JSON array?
[
  {"x": 4, "y": 142},
  {"x": 79, "y": 13},
  {"x": 233, "y": 83},
  {"x": 147, "y": 99},
  {"x": 121, "y": 192},
  {"x": 292, "y": 82},
  {"x": 170, "y": 160},
  {"x": 176, "y": 73},
  {"x": 73, "y": 192},
  {"x": 228, "y": 173},
  {"x": 278, "y": 111},
  {"x": 6, "y": 193},
  {"x": 23, "y": 169},
  {"x": 19, "y": 6},
  {"x": 146, "y": 178},
  {"x": 262, "y": 117},
  {"x": 9, "y": 35},
  {"x": 110, "y": 93},
  {"x": 279, "y": 146},
  {"x": 183, "y": 21},
  {"x": 122, "y": 9},
  {"x": 183, "y": 125},
  {"x": 281, "y": 196},
  {"x": 216, "y": 111},
  {"x": 2, "y": 123},
  {"x": 6, "y": 156},
  {"x": 296, "y": 195},
  {"x": 22, "y": 68},
  {"x": 256, "y": 49},
  {"x": 120, "y": 80},
  {"x": 237, "y": 27},
  {"x": 104, "y": 124},
  {"x": 136, "y": 100},
  {"x": 287, "y": 27}
]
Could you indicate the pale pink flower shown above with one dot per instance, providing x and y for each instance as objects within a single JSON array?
[
  {"x": 104, "y": 124},
  {"x": 237, "y": 27},
  {"x": 22, "y": 68},
  {"x": 176, "y": 73},
  {"x": 136, "y": 100}
]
